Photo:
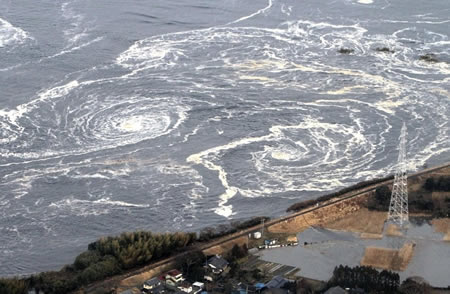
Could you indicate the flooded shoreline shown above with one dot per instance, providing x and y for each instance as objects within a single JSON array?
[{"x": 321, "y": 250}]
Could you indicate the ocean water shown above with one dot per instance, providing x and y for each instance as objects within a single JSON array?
[{"x": 176, "y": 115}]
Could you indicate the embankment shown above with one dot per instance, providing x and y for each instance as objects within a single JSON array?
[{"x": 327, "y": 212}]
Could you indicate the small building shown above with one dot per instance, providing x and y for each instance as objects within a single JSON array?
[
  {"x": 277, "y": 282},
  {"x": 217, "y": 264},
  {"x": 173, "y": 277},
  {"x": 270, "y": 242},
  {"x": 197, "y": 287},
  {"x": 152, "y": 283},
  {"x": 156, "y": 290},
  {"x": 244, "y": 288},
  {"x": 185, "y": 287},
  {"x": 208, "y": 278},
  {"x": 257, "y": 235}
]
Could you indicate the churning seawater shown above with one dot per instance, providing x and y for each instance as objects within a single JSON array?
[{"x": 176, "y": 115}]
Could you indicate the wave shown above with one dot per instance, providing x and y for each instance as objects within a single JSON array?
[
  {"x": 11, "y": 35},
  {"x": 82, "y": 207}
]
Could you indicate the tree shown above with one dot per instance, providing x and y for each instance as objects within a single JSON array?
[
  {"x": 238, "y": 252},
  {"x": 429, "y": 184},
  {"x": 228, "y": 288},
  {"x": 383, "y": 196},
  {"x": 85, "y": 259},
  {"x": 13, "y": 286},
  {"x": 190, "y": 260},
  {"x": 411, "y": 286}
]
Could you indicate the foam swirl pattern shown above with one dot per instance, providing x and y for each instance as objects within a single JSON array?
[{"x": 166, "y": 122}]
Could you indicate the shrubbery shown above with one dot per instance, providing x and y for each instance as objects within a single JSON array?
[
  {"x": 13, "y": 286},
  {"x": 366, "y": 278},
  {"x": 441, "y": 183},
  {"x": 381, "y": 199},
  {"x": 210, "y": 233}
]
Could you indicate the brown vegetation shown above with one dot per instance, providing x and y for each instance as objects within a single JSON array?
[
  {"x": 319, "y": 216},
  {"x": 393, "y": 230},
  {"x": 442, "y": 225},
  {"x": 389, "y": 259},
  {"x": 226, "y": 246},
  {"x": 361, "y": 221}
]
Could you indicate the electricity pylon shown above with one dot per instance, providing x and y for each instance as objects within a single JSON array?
[{"x": 398, "y": 207}]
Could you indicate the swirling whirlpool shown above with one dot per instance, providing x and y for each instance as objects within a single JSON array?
[{"x": 188, "y": 129}]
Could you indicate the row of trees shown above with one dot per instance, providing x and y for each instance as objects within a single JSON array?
[
  {"x": 109, "y": 256},
  {"x": 441, "y": 183},
  {"x": 366, "y": 278},
  {"x": 210, "y": 233}
]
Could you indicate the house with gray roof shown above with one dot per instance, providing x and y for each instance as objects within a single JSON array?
[{"x": 217, "y": 264}]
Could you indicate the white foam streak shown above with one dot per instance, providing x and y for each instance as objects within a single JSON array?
[
  {"x": 75, "y": 48},
  {"x": 365, "y": 1},
  {"x": 209, "y": 157},
  {"x": 260, "y": 11},
  {"x": 81, "y": 207}
]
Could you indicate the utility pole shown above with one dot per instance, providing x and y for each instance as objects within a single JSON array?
[
  {"x": 262, "y": 228},
  {"x": 398, "y": 207}
]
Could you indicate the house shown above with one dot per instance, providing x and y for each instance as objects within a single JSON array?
[
  {"x": 156, "y": 290},
  {"x": 197, "y": 287},
  {"x": 185, "y": 287},
  {"x": 173, "y": 277},
  {"x": 217, "y": 264},
  {"x": 152, "y": 283},
  {"x": 277, "y": 282}
]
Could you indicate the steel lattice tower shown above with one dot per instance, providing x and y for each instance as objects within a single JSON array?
[{"x": 398, "y": 207}]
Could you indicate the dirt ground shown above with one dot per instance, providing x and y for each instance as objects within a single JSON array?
[
  {"x": 321, "y": 216},
  {"x": 368, "y": 223},
  {"x": 226, "y": 246},
  {"x": 393, "y": 230},
  {"x": 138, "y": 280},
  {"x": 389, "y": 259},
  {"x": 442, "y": 225}
]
